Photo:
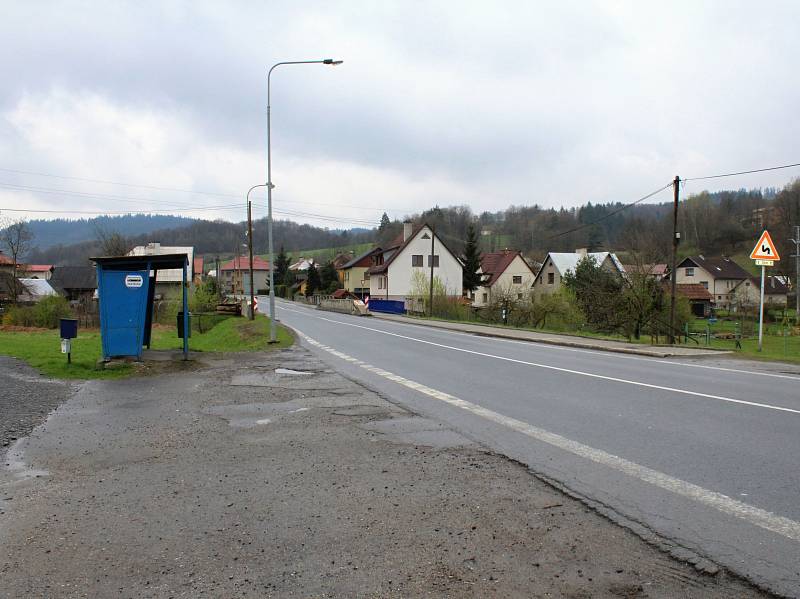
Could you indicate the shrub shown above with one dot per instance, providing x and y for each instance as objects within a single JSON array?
[{"x": 45, "y": 314}]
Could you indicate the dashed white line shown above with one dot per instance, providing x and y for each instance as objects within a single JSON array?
[
  {"x": 727, "y": 505},
  {"x": 570, "y": 370},
  {"x": 610, "y": 355}
]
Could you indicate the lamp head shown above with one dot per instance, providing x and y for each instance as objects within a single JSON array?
[{"x": 331, "y": 61}]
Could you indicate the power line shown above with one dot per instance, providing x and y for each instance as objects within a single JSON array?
[
  {"x": 107, "y": 182},
  {"x": 112, "y": 213},
  {"x": 758, "y": 170},
  {"x": 610, "y": 214},
  {"x": 170, "y": 189}
]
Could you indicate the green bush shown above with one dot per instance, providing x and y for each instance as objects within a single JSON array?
[
  {"x": 45, "y": 314},
  {"x": 204, "y": 297}
]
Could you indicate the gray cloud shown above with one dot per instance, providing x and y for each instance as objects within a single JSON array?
[{"x": 436, "y": 103}]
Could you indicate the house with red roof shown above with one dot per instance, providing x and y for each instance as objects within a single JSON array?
[
  {"x": 234, "y": 275},
  {"x": 404, "y": 265},
  {"x": 507, "y": 276},
  {"x": 35, "y": 271}
]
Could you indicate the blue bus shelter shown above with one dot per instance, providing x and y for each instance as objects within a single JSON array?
[{"x": 126, "y": 289}]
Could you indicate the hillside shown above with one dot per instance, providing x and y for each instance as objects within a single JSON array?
[
  {"x": 720, "y": 223},
  {"x": 48, "y": 233}
]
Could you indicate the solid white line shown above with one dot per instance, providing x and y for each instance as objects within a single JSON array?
[
  {"x": 727, "y": 505},
  {"x": 606, "y": 353},
  {"x": 571, "y": 371}
]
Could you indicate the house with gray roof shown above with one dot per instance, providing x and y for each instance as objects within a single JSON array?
[
  {"x": 720, "y": 276},
  {"x": 76, "y": 283},
  {"x": 558, "y": 264}
]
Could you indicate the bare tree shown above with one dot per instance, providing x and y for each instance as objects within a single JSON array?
[
  {"x": 16, "y": 237},
  {"x": 112, "y": 243}
]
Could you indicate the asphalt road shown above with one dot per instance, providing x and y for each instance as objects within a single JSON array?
[{"x": 702, "y": 454}]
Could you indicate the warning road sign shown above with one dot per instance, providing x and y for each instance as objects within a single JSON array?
[{"x": 765, "y": 249}]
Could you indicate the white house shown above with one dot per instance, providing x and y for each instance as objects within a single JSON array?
[
  {"x": 720, "y": 276},
  {"x": 167, "y": 279},
  {"x": 394, "y": 267},
  {"x": 557, "y": 264},
  {"x": 35, "y": 290},
  {"x": 506, "y": 275}
]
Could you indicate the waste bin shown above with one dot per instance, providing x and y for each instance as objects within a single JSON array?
[
  {"x": 180, "y": 325},
  {"x": 68, "y": 327}
]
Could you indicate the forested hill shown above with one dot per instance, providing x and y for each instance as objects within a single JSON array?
[
  {"x": 207, "y": 237},
  {"x": 726, "y": 222},
  {"x": 48, "y": 233}
]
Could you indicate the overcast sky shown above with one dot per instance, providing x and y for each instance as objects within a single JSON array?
[{"x": 485, "y": 104}]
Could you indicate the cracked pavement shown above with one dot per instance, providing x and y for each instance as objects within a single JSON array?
[{"x": 237, "y": 480}]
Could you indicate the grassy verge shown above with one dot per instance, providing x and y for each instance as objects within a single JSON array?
[
  {"x": 42, "y": 349},
  {"x": 230, "y": 335},
  {"x": 775, "y": 347}
]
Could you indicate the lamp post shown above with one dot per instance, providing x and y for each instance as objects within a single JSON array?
[
  {"x": 252, "y": 314},
  {"x": 270, "y": 186}
]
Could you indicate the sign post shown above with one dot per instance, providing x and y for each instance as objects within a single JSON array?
[{"x": 765, "y": 254}]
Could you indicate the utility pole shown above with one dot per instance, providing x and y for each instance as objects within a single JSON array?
[
  {"x": 430, "y": 295},
  {"x": 796, "y": 256},
  {"x": 251, "y": 315},
  {"x": 676, "y": 185},
  {"x": 219, "y": 280}
]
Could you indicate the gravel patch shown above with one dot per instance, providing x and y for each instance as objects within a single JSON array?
[{"x": 26, "y": 398}]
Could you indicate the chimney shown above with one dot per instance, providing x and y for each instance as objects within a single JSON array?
[{"x": 408, "y": 228}]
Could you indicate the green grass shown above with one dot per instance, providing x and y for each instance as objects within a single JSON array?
[
  {"x": 42, "y": 349},
  {"x": 775, "y": 346},
  {"x": 231, "y": 335},
  {"x": 323, "y": 255}
]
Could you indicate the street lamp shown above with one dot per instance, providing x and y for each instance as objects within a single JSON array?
[
  {"x": 270, "y": 186},
  {"x": 252, "y": 314}
]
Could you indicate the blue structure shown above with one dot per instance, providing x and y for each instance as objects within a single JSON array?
[
  {"x": 126, "y": 287},
  {"x": 387, "y": 306}
]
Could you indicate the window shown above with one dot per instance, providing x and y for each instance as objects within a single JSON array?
[
  {"x": 380, "y": 282},
  {"x": 551, "y": 278},
  {"x": 704, "y": 284},
  {"x": 485, "y": 297},
  {"x": 690, "y": 271},
  {"x": 435, "y": 261},
  {"x": 416, "y": 260},
  {"x": 519, "y": 296},
  {"x": 517, "y": 279}
]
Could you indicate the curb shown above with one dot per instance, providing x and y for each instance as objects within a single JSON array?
[{"x": 576, "y": 344}]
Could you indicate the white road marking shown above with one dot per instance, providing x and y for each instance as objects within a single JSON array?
[
  {"x": 610, "y": 355},
  {"x": 727, "y": 505},
  {"x": 571, "y": 371}
]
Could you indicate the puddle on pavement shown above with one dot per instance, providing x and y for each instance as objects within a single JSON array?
[
  {"x": 361, "y": 411},
  {"x": 418, "y": 431},
  {"x": 290, "y": 371},
  {"x": 16, "y": 466},
  {"x": 306, "y": 381}
]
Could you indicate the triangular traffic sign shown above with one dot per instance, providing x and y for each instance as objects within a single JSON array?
[{"x": 765, "y": 249}]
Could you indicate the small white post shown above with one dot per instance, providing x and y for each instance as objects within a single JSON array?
[{"x": 761, "y": 311}]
